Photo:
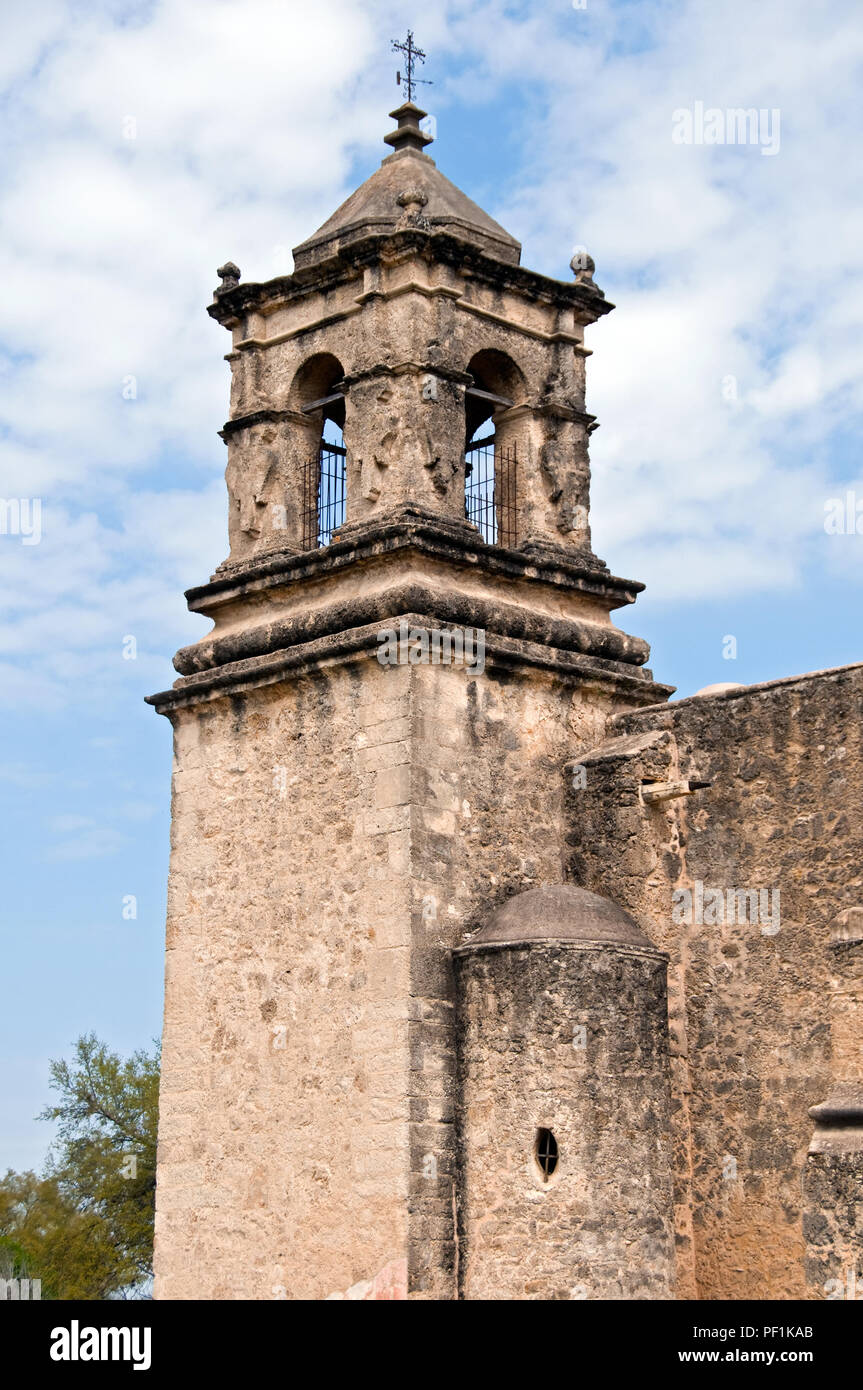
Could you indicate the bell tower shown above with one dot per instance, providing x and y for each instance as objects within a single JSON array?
[{"x": 411, "y": 641}]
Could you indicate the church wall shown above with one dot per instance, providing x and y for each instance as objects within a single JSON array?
[
  {"x": 572, "y": 1039},
  {"x": 751, "y": 1007},
  {"x": 333, "y": 837},
  {"x": 283, "y": 1111},
  {"x": 487, "y": 822}
]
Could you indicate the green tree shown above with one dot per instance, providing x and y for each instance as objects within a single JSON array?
[
  {"x": 44, "y": 1236},
  {"x": 85, "y": 1227}
]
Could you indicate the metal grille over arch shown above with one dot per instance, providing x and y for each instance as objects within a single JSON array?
[
  {"x": 491, "y": 455},
  {"x": 324, "y": 473},
  {"x": 325, "y": 493},
  {"x": 490, "y": 491}
]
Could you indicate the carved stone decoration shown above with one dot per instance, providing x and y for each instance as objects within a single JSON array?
[
  {"x": 372, "y": 471},
  {"x": 583, "y": 266},
  {"x": 256, "y": 491},
  {"x": 442, "y": 473},
  {"x": 229, "y": 274},
  {"x": 551, "y": 462},
  {"x": 406, "y": 446},
  {"x": 400, "y": 435},
  {"x": 413, "y": 200},
  {"x": 563, "y": 483}
]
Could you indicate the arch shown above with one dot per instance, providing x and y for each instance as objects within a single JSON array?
[
  {"x": 495, "y": 374},
  {"x": 315, "y": 392},
  {"x": 491, "y": 457}
]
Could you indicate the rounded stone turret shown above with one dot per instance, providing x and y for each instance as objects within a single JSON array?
[
  {"x": 560, "y": 912},
  {"x": 563, "y": 1103}
]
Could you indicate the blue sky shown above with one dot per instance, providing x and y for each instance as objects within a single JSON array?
[{"x": 148, "y": 143}]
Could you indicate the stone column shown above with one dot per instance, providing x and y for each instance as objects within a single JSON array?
[
  {"x": 833, "y": 1177},
  {"x": 563, "y": 1049}
]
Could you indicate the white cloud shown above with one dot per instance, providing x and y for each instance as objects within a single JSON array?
[
  {"x": 26, "y": 777},
  {"x": 245, "y": 118},
  {"x": 732, "y": 273},
  {"x": 64, "y": 825}
]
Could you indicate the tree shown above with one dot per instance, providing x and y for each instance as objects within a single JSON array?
[
  {"x": 44, "y": 1236},
  {"x": 86, "y": 1226}
]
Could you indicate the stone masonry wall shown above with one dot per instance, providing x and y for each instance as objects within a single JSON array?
[
  {"x": 571, "y": 1039},
  {"x": 283, "y": 1124},
  {"x": 833, "y": 1181},
  {"x": 750, "y": 1005},
  {"x": 334, "y": 836},
  {"x": 487, "y": 822}
]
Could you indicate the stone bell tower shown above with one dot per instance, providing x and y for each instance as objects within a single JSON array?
[{"x": 407, "y": 453}]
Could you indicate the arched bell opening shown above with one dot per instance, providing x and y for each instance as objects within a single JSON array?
[
  {"x": 491, "y": 455},
  {"x": 317, "y": 393}
]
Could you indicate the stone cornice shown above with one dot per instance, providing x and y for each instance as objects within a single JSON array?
[
  {"x": 501, "y": 653},
  {"x": 429, "y": 292},
  {"x": 437, "y": 369},
  {"x": 468, "y": 949},
  {"x": 268, "y": 632},
  {"x": 438, "y": 537},
  {"x": 271, "y": 415},
  {"x": 266, "y": 416},
  {"x": 435, "y": 246}
]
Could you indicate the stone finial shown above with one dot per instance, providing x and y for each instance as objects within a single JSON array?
[
  {"x": 582, "y": 266},
  {"x": 413, "y": 200},
  {"x": 411, "y": 197},
  {"x": 229, "y": 274},
  {"x": 409, "y": 135}
]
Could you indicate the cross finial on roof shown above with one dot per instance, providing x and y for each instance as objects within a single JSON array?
[{"x": 412, "y": 55}]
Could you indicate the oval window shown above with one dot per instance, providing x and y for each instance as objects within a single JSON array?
[{"x": 546, "y": 1152}]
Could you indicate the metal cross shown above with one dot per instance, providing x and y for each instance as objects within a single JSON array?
[{"x": 412, "y": 55}]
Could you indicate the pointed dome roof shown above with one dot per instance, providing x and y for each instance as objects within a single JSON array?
[{"x": 407, "y": 181}]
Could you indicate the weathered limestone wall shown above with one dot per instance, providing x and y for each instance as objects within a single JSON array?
[
  {"x": 487, "y": 822},
  {"x": 833, "y": 1180},
  {"x": 751, "y": 1010},
  {"x": 570, "y": 1038},
  {"x": 283, "y": 1123},
  {"x": 334, "y": 835}
]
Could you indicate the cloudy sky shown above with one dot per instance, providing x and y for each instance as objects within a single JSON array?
[{"x": 147, "y": 143}]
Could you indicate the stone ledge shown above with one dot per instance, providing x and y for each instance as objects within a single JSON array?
[
  {"x": 438, "y": 536},
  {"x": 349, "y": 261},
  {"x": 444, "y": 609},
  {"x": 562, "y": 943},
  {"x": 501, "y": 653}
]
